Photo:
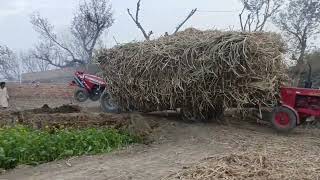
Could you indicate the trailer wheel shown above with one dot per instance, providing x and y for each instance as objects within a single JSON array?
[
  {"x": 284, "y": 119},
  {"x": 81, "y": 95},
  {"x": 107, "y": 104}
]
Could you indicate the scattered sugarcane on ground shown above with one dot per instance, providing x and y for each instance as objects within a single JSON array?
[{"x": 201, "y": 72}]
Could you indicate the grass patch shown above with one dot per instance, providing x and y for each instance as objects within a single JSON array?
[{"x": 22, "y": 145}]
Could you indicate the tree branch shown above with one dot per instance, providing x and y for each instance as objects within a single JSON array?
[
  {"x": 136, "y": 21},
  {"x": 193, "y": 11},
  {"x": 115, "y": 40},
  {"x": 46, "y": 29},
  {"x": 47, "y": 59},
  {"x": 240, "y": 18},
  {"x": 268, "y": 14},
  {"x": 259, "y": 12},
  {"x": 138, "y": 9},
  {"x": 247, "y": 23}
]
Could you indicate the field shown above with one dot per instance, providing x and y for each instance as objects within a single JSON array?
[
  {"x": 175, "y": 149},
  {"x": 23, "y": 145}
]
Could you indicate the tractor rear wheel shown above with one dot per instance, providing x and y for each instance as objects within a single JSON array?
[
  {"x": 107, "y": 104},
  {"x": 284, "y": 119}
]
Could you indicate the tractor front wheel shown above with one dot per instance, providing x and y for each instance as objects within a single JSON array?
[
  {"x": 81, "y": 95},
  {"x": 284, "y": 119}
]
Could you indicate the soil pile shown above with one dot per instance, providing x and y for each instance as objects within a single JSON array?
[
  {"x": 61, "y": 109},
  {"x": 70, "y": 116}
]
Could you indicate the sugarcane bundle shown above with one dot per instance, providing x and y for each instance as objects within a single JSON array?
[{"x": 201, "y": 72}]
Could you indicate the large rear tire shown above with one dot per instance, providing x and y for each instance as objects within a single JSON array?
[
  {"x": 81, "y": 95},
  {"x": 284, "y": 119},
  {"x": 107, "y": 104}
]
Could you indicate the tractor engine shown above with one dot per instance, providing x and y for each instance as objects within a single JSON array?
[{"x": 308, "y": 102}]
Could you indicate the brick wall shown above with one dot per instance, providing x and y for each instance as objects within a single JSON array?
[{"x": 44, "y": 90}]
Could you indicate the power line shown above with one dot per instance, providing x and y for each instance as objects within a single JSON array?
[{"x": 218, "y": 11}]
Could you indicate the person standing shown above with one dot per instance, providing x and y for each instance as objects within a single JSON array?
[{"x": 4, "y": 97}]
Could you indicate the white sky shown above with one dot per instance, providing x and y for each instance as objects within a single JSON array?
[{"x": 156, "y": 15}]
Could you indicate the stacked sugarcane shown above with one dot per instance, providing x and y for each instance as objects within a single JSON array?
[{"x": 201, "y": 72}]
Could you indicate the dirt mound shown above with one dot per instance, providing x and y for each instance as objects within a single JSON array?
[
  {"x": 7, "y": 118},
  {"x": 45, "y": 109},
  {"x": 134, "y": 124},
  {"x": 72, "y": 120},
  {"x": 140, "y": 125},
  {"x": 70, "y": 116}
]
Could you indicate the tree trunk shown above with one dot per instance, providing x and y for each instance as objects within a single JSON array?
[{"x": 300, "y": 66}]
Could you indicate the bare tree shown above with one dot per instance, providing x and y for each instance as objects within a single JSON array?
[
  {"x": 50, "y": 41},
  {"x": 9, "y": 65},
  {"x": 300, "y": 20},
  {"x": 89, "y": 23},
  {"x": 92, "y": 18},
  {"x": 137, "y": 22},
  {"x": 256, "y": 13},
  {"x": 32, "y": 64},
  {"x": 144, "y": 32}
]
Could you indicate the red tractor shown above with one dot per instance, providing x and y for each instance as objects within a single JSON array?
[
  {"x": 89, "y": 86},
  {"x": 297, "y": 105},
  {"x": 94, "y": 88}
]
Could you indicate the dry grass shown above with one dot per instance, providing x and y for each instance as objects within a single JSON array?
[
  {"x": 260, "y": 155},
  {"x": 199, "y": 71},
  {"x": 233, "y": 166},
  {"x": 249, "y": 166}
]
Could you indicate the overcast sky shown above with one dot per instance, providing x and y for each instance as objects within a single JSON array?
[{"x": 156, "y": 15}]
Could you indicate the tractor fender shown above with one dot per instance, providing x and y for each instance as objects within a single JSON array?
[{"x": 295, "y": 112}]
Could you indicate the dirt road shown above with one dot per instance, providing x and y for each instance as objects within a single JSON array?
[{"x": 179, "y": 145}]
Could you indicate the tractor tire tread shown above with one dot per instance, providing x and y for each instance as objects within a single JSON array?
[{"x": 292, "y": 116}]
